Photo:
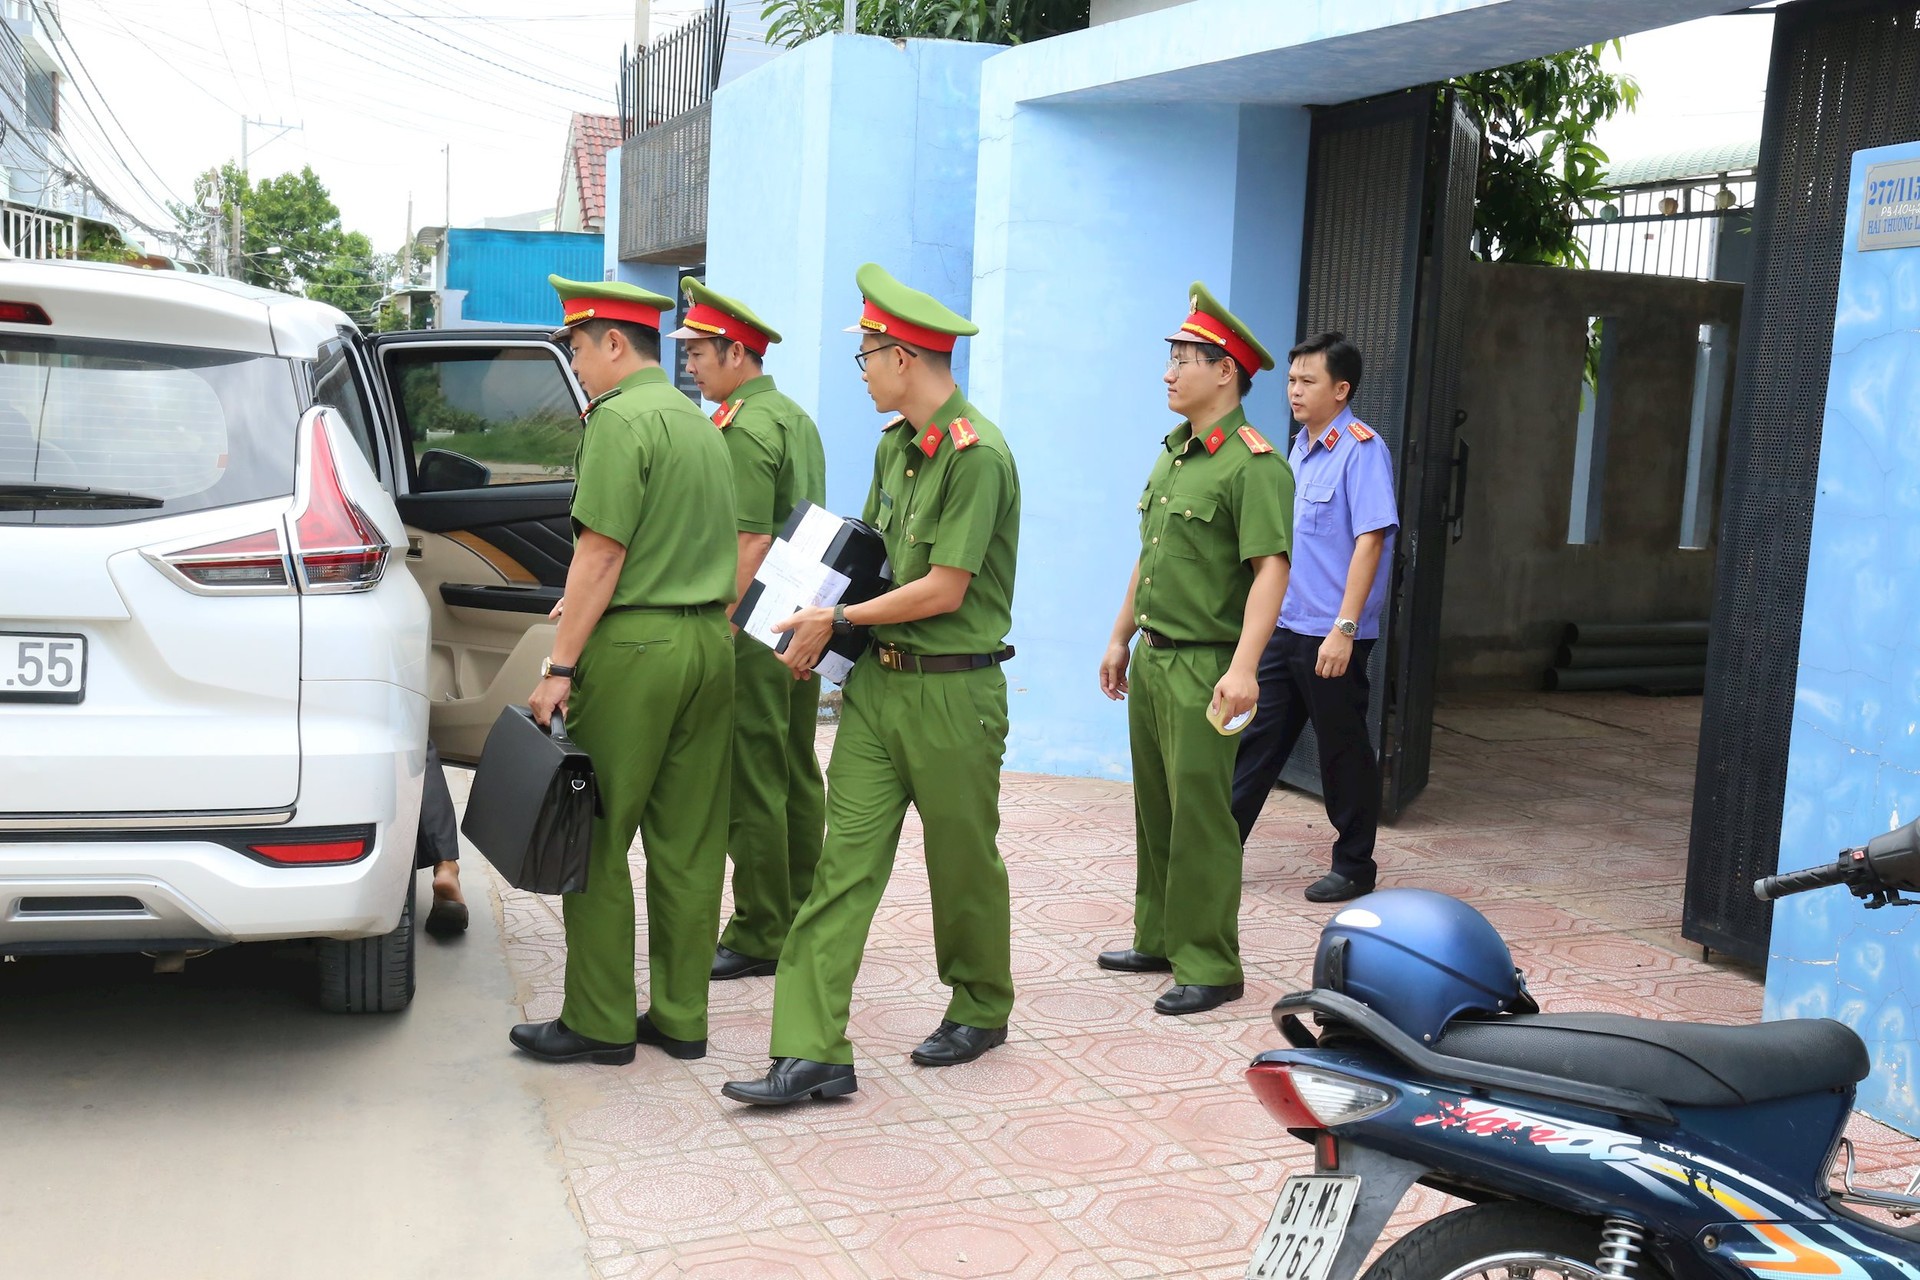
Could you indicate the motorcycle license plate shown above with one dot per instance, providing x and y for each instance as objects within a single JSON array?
[{"x": 1305, "y": 1231}]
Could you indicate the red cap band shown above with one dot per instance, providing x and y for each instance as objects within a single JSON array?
[
  {"x": 875, "y": 320},
  {"x": 580, "y": 310},
  {"x": 1206, "y": 328},
  {"x": 719, "y": 324}
]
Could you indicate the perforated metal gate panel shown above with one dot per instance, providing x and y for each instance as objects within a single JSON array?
[
  {"x": 1390, "y": 182},
  {"x": 663, "y": 190},
  {"x": 1845, "y": 75}
]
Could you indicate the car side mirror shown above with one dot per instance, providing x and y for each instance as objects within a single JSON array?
[{"x": 442, "y": 471}]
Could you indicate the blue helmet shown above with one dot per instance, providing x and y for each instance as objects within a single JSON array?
[{"x": 1420, "y": 959}]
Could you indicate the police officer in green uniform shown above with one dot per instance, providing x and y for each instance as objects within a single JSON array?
[
  {"x": 923, "y": 719},
  {"x": 778, "y": 806},
  {"x": 1215, "y": 531},
  {"x": 642, "y": 666}
]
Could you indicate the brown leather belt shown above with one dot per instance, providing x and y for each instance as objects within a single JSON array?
[
  {"x": 1157, "y": 641},
  {"x": 685, "y": 610},
  {"x": 936, "y": 663}
]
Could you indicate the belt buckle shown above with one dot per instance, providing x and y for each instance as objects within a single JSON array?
[{"x": 889, "y": 657}]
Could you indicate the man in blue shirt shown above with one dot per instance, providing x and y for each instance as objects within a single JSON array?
[{"x": 1315, "y": 667}]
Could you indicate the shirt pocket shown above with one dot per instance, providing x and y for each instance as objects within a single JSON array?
[
  {"x": 883, "y": 512},
  {"x": 915, "y": 534},
  {"x": 1316, "y": 508},
  {"x": 1193, "y": 532}
]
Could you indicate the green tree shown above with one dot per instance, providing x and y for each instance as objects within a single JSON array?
[
  {"x": 291, "y": 239},
  {"x": 793, "y": 22},
  {"x": 1538, "y": 162}
]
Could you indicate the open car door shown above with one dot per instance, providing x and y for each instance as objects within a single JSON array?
[{"x": 489, "y": 423}]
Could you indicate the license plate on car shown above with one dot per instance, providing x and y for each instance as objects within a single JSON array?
[
  {"x": 42, "y": 667},
  {"x": 1305, "y": 1231}
]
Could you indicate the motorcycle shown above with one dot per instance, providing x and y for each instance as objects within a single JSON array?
[{"x": 1587, "y": 1144}]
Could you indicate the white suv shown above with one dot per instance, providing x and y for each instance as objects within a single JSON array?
[{"x": 247, "y": 555}]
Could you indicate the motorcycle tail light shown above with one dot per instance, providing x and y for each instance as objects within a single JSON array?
[{"x": 1308, "y": 1098}]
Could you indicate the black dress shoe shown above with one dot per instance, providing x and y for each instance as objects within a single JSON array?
[
  {"x": 1334, "y": 887},
  {"x": 447, "y": 919},
  {"x": 728, "y": 963},
  {"x": 646, "y": 1033},
  {"x": 794, "y": 1080},
  {"x": 1131, "y": 961},
  {"x": 955, "y": 1043},
  {"x": 1197, "y": 999},
  {"x": 556, "y": 1042}
]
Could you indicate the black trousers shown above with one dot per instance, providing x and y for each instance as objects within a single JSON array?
[
  {"x": 1291, "y": 695},
  {"x": 439, "y": 839}
]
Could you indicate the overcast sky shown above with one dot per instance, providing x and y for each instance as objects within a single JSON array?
[{"x": 381, "y": 86}]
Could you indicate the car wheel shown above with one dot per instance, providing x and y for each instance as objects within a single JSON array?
[{"x": 369, "y": 975}]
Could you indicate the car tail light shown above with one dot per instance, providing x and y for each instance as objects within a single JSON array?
[
  {"x": 252, "y": 564},
  {"x": 336, "y": 545},
  {"x": 1306, "y": 1098},
  {"x": 329, "y": 852},
  {"x": 23, "y": 313}
]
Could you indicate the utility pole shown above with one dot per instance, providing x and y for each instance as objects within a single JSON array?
[
  {"x": 851, "y": 10},
  {"x": 642, "y": 24},
  {"x": 447, "y": 221},
  {"x": 246, "y": 152},
  {"x": 239, "y": 268}
]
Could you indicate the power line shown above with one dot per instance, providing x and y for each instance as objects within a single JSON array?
[{"x": 457, "y": 49}]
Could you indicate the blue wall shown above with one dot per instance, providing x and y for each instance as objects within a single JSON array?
[
  {"x": 1093, "y": 221},
  {"x": 1853, "y": 768},
  {"x": 850, "y": 149},
  {"x": 504, "y": 273}
]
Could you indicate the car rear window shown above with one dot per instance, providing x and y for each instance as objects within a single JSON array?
[{"x": 193, "y": 428}]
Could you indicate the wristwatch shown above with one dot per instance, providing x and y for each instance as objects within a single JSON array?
[
  {"x": 548, "y": 667},
  {"x": 842, "y": 624},
  {"x": 1346, "y": 627}
]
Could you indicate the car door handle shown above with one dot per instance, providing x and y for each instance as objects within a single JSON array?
[{"x": 502, "y": 599}]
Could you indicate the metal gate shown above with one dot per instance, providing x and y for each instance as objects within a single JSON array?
[
  {"x": 1845, "y": 75},
  {"x": 1390, "y": 193}
]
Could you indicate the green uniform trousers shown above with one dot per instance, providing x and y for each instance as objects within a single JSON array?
[
  {"x": 653, "y": 706},
  {"x": 779, "y": 806},
  {"x": 1186, "y": 903},
  {"x": 936, "y": 742}
]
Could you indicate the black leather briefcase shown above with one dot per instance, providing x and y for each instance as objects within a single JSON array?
[{"x": 532, "y": 806}]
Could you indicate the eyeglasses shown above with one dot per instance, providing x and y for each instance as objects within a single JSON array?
[
  {"x": 861, "y": 357},
  {"x": 1174, "y": 362}
]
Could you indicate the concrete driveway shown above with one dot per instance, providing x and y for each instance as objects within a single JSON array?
[{"x": 215, "y": 1125}]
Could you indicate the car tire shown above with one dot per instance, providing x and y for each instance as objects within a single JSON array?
[{"x": 370, "y": 975}]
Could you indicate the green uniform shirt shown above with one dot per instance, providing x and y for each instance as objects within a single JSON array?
[
  {"x": 777, "y": 456},
  {"x": 1205, "y": 514},
  {"x": 960, "y": 507},
  {"x": 653, "y": 476}
]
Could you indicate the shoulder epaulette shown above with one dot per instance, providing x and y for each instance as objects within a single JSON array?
[
  {"x": 723, "y": 416},
  {"x": 1361, "y": 431},
  {"x": 896, "y": 421},
  {"x": 964, "y": 436},
  {"x": 1255, "y": 441}
]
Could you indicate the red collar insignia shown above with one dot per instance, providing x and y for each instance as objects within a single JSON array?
[
  {"x": 930, "y": 442},
  {"x": 723, "y": 416},
  {"x": 1332, "y": 437},
  {"x": 1214, "y": 441}
]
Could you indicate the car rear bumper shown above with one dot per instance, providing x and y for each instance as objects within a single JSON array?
[{"x": 104, "y": 893}]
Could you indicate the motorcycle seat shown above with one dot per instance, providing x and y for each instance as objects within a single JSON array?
[{"x": 1687, "y": 1064}]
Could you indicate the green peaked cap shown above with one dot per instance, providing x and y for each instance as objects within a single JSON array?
[
  {"x": 919, "y": 310},
  {"x": 606, "y": 300},
  {"x": 700, "y": 295},
  {"x": 1200, "y": 301}
]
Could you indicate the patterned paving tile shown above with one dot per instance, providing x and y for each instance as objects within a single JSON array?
[{"x": 1105, "y": 1140}]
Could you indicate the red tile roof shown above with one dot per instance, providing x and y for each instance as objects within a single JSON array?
[{"x": 589, "y": 139}]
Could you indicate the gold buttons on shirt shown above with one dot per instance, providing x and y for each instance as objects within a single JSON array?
[
  {"x": 1178, "y": 461},
  {"x": 909, "y": 539},
  {"x": 1189, "y": 510},
  {"x": 1163, "y": 502},
  {"x": 1143, "y": 619},
  {"x": 1156, "y": 542},
  {"x": 1146, "y": 582},
  {"x": 909, "y": 473}
]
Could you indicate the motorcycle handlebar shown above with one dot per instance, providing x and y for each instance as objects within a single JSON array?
[{"x": 1767, "y": 888}]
